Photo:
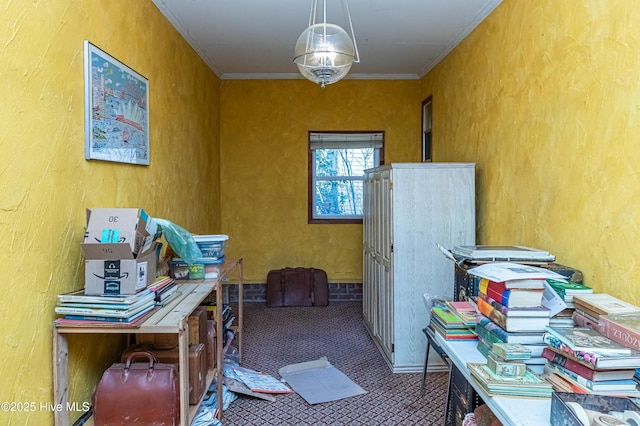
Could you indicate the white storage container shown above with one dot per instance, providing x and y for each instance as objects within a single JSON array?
[{"x": 212, "y": 246}]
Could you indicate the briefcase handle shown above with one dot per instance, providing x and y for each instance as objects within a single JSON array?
[{"x": 141, "y": 354}]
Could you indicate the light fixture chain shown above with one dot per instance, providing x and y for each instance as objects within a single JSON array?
[{"x": 356, "y": 58}]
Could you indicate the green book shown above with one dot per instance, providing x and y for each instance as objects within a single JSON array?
[
  {"x": 446, "y": 315},
  {"x": 529, "y": 385},
  {"x": 511, "y": 351},
  {"x": 506, "y": 368},
  {"x": 570, "y": 289}
]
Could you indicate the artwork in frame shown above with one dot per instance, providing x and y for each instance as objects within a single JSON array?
[
  {"x": 426, "y": 130},
  {"x": 116, "y": 118}
]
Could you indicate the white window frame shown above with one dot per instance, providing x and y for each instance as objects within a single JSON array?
[{"x": 340, "y": 140}]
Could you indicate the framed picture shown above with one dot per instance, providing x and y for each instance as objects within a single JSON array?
[
  {"x": 426, "y": 130},
  {"x": 116, "y": 116}
]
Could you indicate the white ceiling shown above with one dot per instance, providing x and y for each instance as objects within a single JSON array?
[{"x": 254, "y": 39}]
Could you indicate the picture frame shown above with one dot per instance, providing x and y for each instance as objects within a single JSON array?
[
  {"x": 427, "y": 145},
  {"x": 116, "y": 120}
]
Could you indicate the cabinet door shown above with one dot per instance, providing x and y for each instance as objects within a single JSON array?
[
  {"x": 384, "y": 257},
  {"x": 369, "y": 300}
]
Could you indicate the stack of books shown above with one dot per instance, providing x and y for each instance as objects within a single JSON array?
[
  {"x": 585, "y": 361},
  {"x": 77, "y": 306},
  {"x": 465, "y": 311},
  {"x": 511, "y": 296},
  {"x": 489, "y": 334},
  {"x": 528, "y": 385},
  {"x": 164, "y": 288},
  {"x": 506, "y": 359},
  {"x": 449, "y": 325},
  {"x": 589, "y": 307}
]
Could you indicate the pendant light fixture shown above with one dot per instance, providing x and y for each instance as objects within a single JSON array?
[{"x": 325, "y": 52}]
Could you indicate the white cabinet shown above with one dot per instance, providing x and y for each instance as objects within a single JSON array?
[{"x": 408, "y": 209}]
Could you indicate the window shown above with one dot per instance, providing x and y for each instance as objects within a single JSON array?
[
  {"x": 426, "y": 129},
  {"x": 336, "y": 169}
]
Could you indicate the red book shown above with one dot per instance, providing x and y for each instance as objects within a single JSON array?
[
  {"x": 513, "y": 297},
  {"x": 584, "y": 371},
  {"x": 622, "y": 328}
]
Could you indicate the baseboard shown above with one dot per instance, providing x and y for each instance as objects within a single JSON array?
[{"x": 338, "y": 292}]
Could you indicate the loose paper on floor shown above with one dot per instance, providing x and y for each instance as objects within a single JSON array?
[{"x": 319, "y": 381}]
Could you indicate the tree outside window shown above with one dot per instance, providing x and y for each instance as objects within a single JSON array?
[{"x": 337, "y": 165}]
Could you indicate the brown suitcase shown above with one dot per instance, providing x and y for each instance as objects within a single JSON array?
[
  {"x": 197, "y": 365},
  {"x": 198, "y": 325},
  {"x": 141, "y": 393},
  {"x": 297, "y": 287}
]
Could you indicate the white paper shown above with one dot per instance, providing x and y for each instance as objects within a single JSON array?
[
  {"x": 552, "y": 301},
  {"x": 506, "y": 271}
]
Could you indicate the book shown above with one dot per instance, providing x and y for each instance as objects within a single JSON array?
[
  {"x": 582, "y": 319},
  {"x": 596, "y": 360},
  {"x": 621, "y": 328},
  {"x": 260, "y": 382},
  {"x": 465, "y": 311},
  {"x": 452, "y": 334},
  {"x": 161, "y": 282},
  {"x": 78, "y": 296},
  {"x": 143, "y": 303},
  {"x": 506, "y": 271},
  {"x": 529, "y": 385},
  {"x": 560, "y": 384},
  {"x": 588, "y": 372},
  {"x": 447, "y": 317},
  {"x": 520, "y": 311},
  {"x": 604, "y": 385},
  {"x": 534, "y": 337},
  {"x": 568, "y": 289},
  {"x": 510, "y": 297},
  {"x": 597, "y": 304},
  {"x": 512, "y": 323},
  {"x": 462, "y": 306},
  {"x": 587, "y": 340},
  {"x": 505, "y": 368},
  {"x": 511, "y": 351},
  {"x": 508, "y": 253},
  {"x": 536, "y": 350},
  {"x": 103, "y": 319},
  {"x": 165, "y": 296}
]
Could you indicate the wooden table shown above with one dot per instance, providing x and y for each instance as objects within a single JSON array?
[{"x": 171, "y": 318}]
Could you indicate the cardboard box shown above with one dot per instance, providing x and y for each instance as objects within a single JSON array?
[
  {"x": 111, "y": 269},
  {"x": 123, "y": 226},
  {"x": 120, "y": 251}
]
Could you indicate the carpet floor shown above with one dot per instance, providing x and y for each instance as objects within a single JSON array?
[{"x": 276, "y": 337}]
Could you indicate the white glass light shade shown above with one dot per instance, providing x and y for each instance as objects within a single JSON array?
[{"x": 324, "y": 53}]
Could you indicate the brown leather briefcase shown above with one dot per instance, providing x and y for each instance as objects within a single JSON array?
[
  {"x": 297, "y": 287},
  {"x": 140, "y": 393},
  {"x": 197, "y": 365}
]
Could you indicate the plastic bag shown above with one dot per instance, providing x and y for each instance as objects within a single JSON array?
[{"x": 180, "y": 240}]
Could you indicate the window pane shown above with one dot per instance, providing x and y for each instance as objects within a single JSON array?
[
  {"x": 343, "y": 162},
  {"x": 338, "y": 198}
]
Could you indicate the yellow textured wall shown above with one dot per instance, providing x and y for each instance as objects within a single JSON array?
[
  {"x": 544, "y": 96},
  {"x": 264, "y": 155},
  {"x": 46, "y": 184}
]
